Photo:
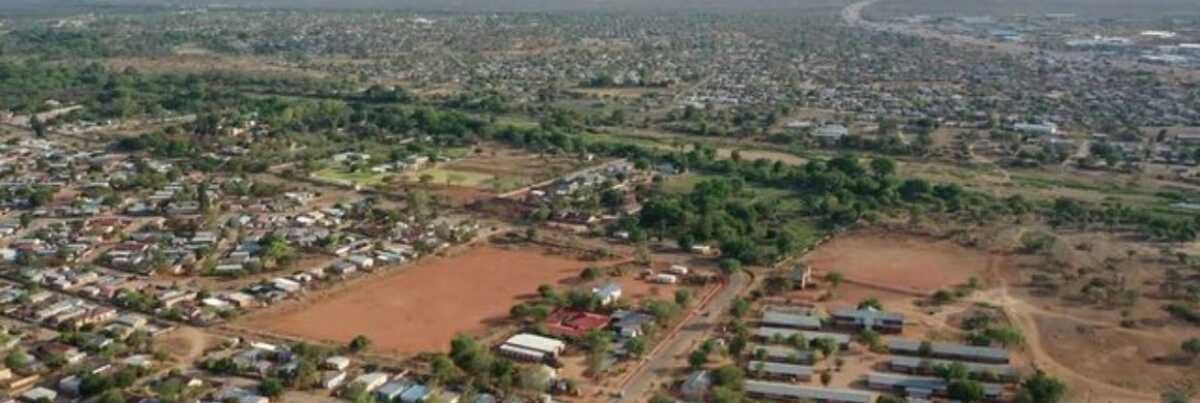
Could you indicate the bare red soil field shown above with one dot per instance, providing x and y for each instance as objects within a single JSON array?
[
  {"x": 420, "y": 308},
  {"x": 900, "y": 262}
]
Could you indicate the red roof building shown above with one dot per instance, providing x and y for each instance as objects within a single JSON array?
[{"x": 575, "y": 324}]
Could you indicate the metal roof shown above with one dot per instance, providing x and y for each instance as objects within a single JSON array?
[
  {"x": 769, "y": 332},
  {"x": 977, "y": 368},
  {"x": 792, "y": 391},
  {"x": 943, "y": 349},
  {"x": 791, "y": 320},
  {"x": 779, "y": 369}
]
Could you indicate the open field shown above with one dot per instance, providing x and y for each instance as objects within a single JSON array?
[
  {"x": 364, "y": 178},
  {"x": 901, "y": 262},
  {"x": 451, "y": 177},
  {"x": 498, "y": 169},
  {"x": 421, "y": 308}
]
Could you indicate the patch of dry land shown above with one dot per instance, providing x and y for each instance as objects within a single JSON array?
[{"x": 420, "y": 308}]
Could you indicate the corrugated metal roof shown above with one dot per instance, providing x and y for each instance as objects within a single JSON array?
[{"x": 807, "y": 392}]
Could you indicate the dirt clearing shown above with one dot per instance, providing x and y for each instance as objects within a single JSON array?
[
  {"x": 901, "y": 262},
  {"x": 420, "y": 308}
]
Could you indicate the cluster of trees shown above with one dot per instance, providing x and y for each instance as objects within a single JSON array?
[
  {"x": 715, "y": 212},
  {"x": 474, "y": 367}
]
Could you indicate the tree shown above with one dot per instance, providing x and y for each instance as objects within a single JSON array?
[
  {"x": 113, "y": 396},
  {"x": 826, "y": 378},
  {"x": 683, "y": 298},
  {"x": 359, "y": 343},
  {"x": 728, "y": 376},
  {"x": 443, "y": 369},
  {"x": 589, "y": 274},
  {"x": 598, "y": 343},
  {"x": 1041, "y": 388},
  {"x": 835, "y": 279},
  {"x": 1191, "y": 347},
  {"x": 730, "y": 266},
  {"x": 883, "y": 167},
  {"x": 270, "y": 387},
  {"x": 965, "y": 390},
  {"x": 871, "y": 303},
  {"x": 38, "y": 126},
  {"x": 636, "y": 346},
  {"x": 739, "y": 308},
  {"x": 17, "y": 359},
  {"x": 697, "y": 359}
]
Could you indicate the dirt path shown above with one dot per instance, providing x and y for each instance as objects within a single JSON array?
[{"x": 1083, "y": 388}]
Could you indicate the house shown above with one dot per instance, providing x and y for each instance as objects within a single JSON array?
[
  {"x": 664, "y": 279},
  {"x": 532, "y": 347},
  {"x": 39, "y": 394},
  {"x": 696, "y": 386},
  {"x": 678, "y": 270},
  {"x": 795, "y": 392},
  {"x": 607, "y": 294},
  {"x": 831, "y": 133},
  {"x": 574, "y": 324},
  {"x": 371, "y": 381},
  {"x": 330, "y": 380},
  {"x": 339, "y": 363},
  {"x": 1036, "y": 128},
  {"x": 868, "y": 318},
  {"x": 361, "y": 261},
  {"x": 391, "y": 391},
  {"x": 631, "y": 324},
  {"x": 414, "y": 394}
]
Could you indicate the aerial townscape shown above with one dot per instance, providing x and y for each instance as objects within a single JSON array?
[{"x": 481, "y": 201}]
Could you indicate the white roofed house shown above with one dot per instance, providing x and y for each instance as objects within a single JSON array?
[
  {"x": 608, "y": 294},
  {"x": 1036, "y": 128},
  {"x": 831, "y": 133}
]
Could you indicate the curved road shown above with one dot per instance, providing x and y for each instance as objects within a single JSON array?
[{"x": 671, "y": 353}]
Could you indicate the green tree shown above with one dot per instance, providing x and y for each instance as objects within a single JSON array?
[
  {"x": 697, "y": 359},
  {"x": 1191, "y": 347},
  {"x": 683, "y": 297},
  {"x": 1041, "y": 388},
  {"x": 112, "y": 396},
  {"x": 871, "y": 303},
  {"x": 965, "y": 390},
  {"x": 730, "y": 266},
  {"x": 270, "y": 387},
  {"x": 635, "y": 346},
  {"x": 359, "y": 343}
]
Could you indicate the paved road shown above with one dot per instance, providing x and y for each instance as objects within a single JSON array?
[{"x": 675, "y": 349}]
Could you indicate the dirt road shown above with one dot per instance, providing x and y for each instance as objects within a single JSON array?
[
  {"x": 671, "y": 352},
  {"x": 1086, "y": 389}
]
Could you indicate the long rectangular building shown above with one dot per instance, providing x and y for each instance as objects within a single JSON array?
[
  {"x": 775, "y": 370},
  {"x": 926, "y": 366},
  {"x": 993, "y": 355},
  {"x": 768, "y": 333},
  {"x": 784, "y": 354},
  {"x": 791, "y": 320},
  {"x": 922, "y": 386},
  {"x": 792, "y": 392}
]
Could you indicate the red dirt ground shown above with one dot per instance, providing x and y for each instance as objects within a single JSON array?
[
  {"x": 900, "y": 262},
  {"x": 420, "y": 308}
]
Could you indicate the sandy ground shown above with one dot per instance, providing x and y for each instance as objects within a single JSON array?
[
  {"x": 421, "y": 308},
  {"x": 904, "y": 263}
]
